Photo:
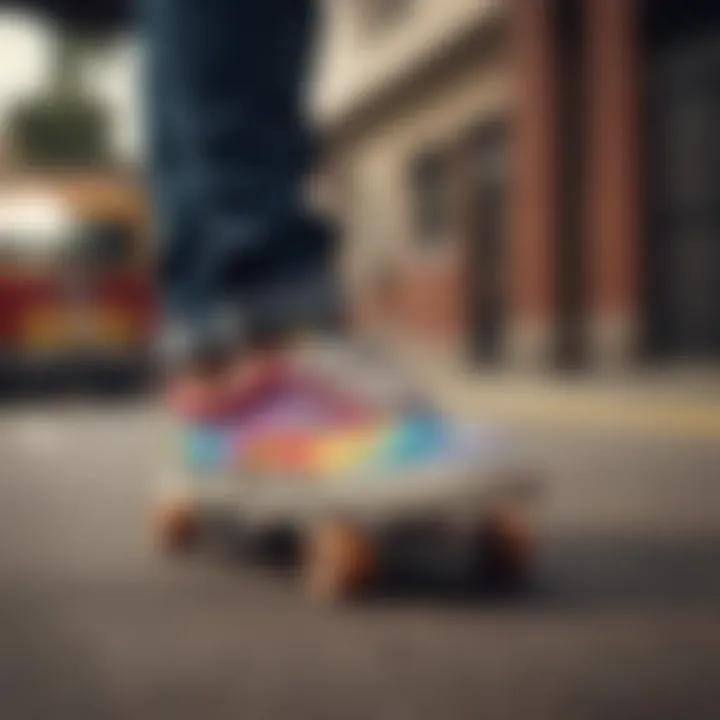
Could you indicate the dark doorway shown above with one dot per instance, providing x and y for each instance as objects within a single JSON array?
[
  {"x": 487, "y": 267},
  {"x": 683, "y": 174},
  {"x": 571, "y": 285}
]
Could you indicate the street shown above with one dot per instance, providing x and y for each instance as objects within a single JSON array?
[{"x": 623, "y": 620}]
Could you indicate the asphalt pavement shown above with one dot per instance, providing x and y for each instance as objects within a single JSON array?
[{"x": 622, "y": 621}]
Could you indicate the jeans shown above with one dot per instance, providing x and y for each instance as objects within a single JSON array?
[{"x": 229, "y": 148}]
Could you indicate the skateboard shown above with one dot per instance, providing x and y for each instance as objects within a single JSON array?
[{"x": 474, "y": 504}]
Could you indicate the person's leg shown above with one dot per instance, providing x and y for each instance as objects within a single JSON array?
[
  {"x": 177, "y": 220},
  {"x": 237, "y": 239}
]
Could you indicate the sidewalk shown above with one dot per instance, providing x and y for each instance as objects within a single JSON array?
[{"x": 666, "y": 404}]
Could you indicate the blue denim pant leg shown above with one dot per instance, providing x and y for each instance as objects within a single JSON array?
[{"x": 229, "y": 149}]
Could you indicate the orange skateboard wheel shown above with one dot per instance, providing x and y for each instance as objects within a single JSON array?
[
  {"x": 339, "y": 562},
  {"x": 177, "y": 526}
]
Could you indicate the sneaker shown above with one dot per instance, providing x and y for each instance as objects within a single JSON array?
[{"x": 319, "y": 414}]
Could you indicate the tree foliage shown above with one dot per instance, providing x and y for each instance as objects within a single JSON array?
[{"x": 60, "y": 131}]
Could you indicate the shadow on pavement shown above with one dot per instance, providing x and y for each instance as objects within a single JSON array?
[{"x": 575, "y": 572}]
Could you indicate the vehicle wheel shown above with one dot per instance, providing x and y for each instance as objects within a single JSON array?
[
  {"x": 504, "y": 550},
  {"x": 177, "y": 527},
  {"x": 339, "y": 562}
]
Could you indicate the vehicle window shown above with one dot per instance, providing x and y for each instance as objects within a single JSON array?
[{"x": 104, "y": 244}]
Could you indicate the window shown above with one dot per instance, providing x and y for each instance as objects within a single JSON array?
[
  {"x": 380, "y": 14},
  {"x": 430, "y": 198},
  {"x": 104, "y": 244}
]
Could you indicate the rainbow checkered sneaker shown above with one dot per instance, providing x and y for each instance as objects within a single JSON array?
[
  {"x": 309, "y": 447},
  {"x": 318, "y": 431}
]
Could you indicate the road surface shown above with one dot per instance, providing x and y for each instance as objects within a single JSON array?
[{"x": 624, "y": 621}]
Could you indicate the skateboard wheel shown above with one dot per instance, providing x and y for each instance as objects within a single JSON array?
[
  {"x": 177, "y": 527},
  {"x": 507, "y": 548},
  {"x": 339, "y": 562}
]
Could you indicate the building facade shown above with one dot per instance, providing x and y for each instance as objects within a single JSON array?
[{"x": 530, "y": 182}]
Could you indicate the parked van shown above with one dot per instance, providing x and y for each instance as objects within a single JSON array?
[{"x": 76, "y": 293}]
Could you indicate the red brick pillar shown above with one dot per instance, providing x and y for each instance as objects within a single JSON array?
[
  {"x": 534, "y": 192},
  {"x": 613, "y": 207}
]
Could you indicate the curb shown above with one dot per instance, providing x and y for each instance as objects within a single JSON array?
[{"x": 612, "y": 410}]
